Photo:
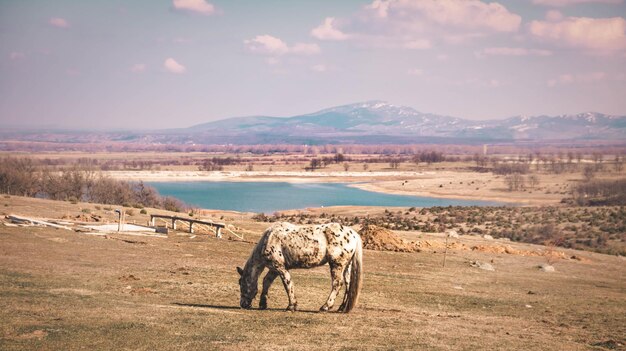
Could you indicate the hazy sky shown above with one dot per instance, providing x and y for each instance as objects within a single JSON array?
[{"x": 175, "y": 63}]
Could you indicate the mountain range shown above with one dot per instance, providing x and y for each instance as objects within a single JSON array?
[
  {"x": 381, "y": 122},
  {"x": 370, "y": 122}
]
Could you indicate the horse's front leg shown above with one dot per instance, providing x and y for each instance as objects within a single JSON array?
[
  {"x": 286, "y": 277},
  {"x": 267, "y": 282},
  {"x": 336, "y": 272}
]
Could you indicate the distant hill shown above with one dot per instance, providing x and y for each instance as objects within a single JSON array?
[
  {"x": 370, "y": 122},
  {"x": 381, "y": 122}
]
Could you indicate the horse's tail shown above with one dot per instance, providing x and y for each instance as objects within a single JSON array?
[{"x": 356, "y": 277}]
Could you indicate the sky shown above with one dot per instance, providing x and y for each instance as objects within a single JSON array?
[{"x": 150, "y": 64}]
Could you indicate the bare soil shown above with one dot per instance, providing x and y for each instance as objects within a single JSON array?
[
  {"x": 62, "y": 290},
  {"x": 381, "y": 239}
]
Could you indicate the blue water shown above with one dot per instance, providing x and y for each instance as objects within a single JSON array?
[{"x": 269, "y": 197}]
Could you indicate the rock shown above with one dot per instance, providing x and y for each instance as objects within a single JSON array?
[
  {"x": 482, "y": 265},
  {"x": 488, "y": 237},
  {"x": 546, "y": 268},
  {"x": 453, "y": 234}
]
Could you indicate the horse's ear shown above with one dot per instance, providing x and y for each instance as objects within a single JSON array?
[{"x": 239, "y": 270}]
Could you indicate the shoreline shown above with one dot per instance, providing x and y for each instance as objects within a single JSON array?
[
  {"x": 371, "y": 186},
  {"x": 260, "y": 176},
  {"x": 367, "y": 181}
]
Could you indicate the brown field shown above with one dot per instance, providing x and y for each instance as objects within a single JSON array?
[{"x": 65, "y": 290}]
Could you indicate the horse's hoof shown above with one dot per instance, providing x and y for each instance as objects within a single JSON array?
[
  {"x": 324, "y": 308},
  {"x": 263, "y": 304},
  {"x": 291, "y": 308}
]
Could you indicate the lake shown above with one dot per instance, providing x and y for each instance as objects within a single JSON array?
[{"x": 269, "y": 197}]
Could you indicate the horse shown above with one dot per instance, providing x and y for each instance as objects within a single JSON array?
[{"x": 284, "y": 246}]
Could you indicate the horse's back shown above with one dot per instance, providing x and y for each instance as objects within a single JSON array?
[{"x": 310, "y": 245}]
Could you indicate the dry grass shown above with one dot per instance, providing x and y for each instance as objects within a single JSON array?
[{"x": 63, "y": 290}]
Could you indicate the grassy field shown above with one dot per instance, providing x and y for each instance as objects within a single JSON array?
[{"x": 64, "y": 290}]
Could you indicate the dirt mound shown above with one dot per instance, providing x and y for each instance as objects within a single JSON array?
[
  {"x": 83, "y": 217},
  {"x": 506, "y": 249},
  {"x": 381, "y": 239},
  {"x": 433, "y": 244},
  {"x": 501, "y": 249}
]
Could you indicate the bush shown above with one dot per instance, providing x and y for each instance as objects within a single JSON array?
[
  {"x": 260, "y": 217},
  {"x": 20, "y": 176},
  {"x": 511, "y": 168},
  {"x": 600, "y": 193},
  {"x": 172, "y": 204}
]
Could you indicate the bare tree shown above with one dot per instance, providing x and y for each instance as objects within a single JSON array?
[
  {"x": 533, "y": 181},
  {"x": 619, "y": 164},
  {"x": 589, "y": 172},
  {"x": 514, "y": 182}
]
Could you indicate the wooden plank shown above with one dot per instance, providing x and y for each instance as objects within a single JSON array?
[
  {"x": 189, "y": 220},
  {"x": 20, "y": 219}
]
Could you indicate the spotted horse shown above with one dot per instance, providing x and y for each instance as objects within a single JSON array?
[{"x": 284, "y": 246}]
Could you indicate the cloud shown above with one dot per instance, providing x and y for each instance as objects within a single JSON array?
[
  {"x": 471, "y": 14},
  {"x": 601, "y": 35},
  {"x": 319, "y": 68},
  {"x": 554, "y": 16},
  {"x": 569, "y": 78},
  {"x": 512, "y": 51},
  {"x": 561, "y": 3},
  {"x": 140, "y": 67},
  {"x": 58, "y": 22},
  {"x": 272, "y": 61},
  {"x": 197, "y": 6},
  {"x": 468, "y": 14},
  {"x": 327, "y": 31},
  {"x": 305, "y": 49},
  {"x": 16, "y": 55},
  {"x": 266, "y": 44},
  {"x": 269, "y": 45},
  {"x": 477, "y": 83},
  {"x": 415, "y": 72},
  {"x": 418, "y": 44},
  {"x": 174, "y": 67},
  {"x": 419, "y": 24}
]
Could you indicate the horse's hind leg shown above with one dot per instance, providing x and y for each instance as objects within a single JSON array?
[
  {"x": 267, "y": 282},
  {"x": 346, "y": 281},
  {"x": 286, "y": 277},
  {"x": 336, "y": 272}
]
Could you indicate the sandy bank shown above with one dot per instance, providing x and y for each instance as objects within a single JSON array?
[{"x": 258, "y": 176}]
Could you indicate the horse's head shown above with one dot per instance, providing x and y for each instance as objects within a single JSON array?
[{"x": 247, "y": 287}]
